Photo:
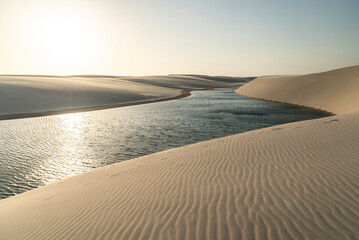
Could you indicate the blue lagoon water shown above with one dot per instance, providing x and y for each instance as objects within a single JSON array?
[{"x": 38, "y": 151}]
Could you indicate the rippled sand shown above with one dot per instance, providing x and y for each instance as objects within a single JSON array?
[{"x": 292, "y": 181}]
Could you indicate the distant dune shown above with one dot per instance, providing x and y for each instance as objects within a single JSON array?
[
  {"x": 291, "y": 181},
  {"x": 27, "y": 96},
  {"x": 335, "y": 91}
]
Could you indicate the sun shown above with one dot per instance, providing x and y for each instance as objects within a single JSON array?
[{"x": 63, "y": 37}]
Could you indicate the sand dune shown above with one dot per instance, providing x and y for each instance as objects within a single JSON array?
[
  {"x": 335, "y": 91},
  {"x": 27, "y": 96},
  {"x": 292, "y": 181}
]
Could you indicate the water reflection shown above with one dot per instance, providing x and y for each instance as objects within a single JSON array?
[
  {"x": 37, "y": 151},
  {"x": 68, "y": 159}
]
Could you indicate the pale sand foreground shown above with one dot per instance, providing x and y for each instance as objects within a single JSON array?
[
  {"x": 292, "y": 181},
  {"x": 29, "y": 96}
]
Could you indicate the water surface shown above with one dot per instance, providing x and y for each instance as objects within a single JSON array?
[{"x": 38, "y": 151}]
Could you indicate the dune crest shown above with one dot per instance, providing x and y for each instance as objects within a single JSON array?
[
  {"x": 29, "y": 96},
  {"x": 335, "y": 91}
]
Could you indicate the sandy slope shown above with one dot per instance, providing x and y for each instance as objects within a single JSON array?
[
  {"x": 24, "y": 96},
  {"x": 335, "y": 91},
  {"x": 292, "y": 181}
]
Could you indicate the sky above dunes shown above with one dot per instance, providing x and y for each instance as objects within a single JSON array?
[{"x": 144, "y": 37}]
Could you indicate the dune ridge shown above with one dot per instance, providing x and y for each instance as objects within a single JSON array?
[
  {"x": 30, "y": 96},
  {"x": 334, "y": 91},
  {"x": 293, "y": 181}
]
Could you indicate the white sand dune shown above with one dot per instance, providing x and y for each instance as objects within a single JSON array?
[
  {"x": 292, "y": 181},
  {"x": 335, "y": 91},
  {"x": 26, "y": 96}
]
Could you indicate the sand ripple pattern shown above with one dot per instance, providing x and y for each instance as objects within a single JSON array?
[
  {"x": 38, "y": 151},
  {"x": 292, "y": 181}
]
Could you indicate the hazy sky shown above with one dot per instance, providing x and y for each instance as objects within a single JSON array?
[{"x": 145, "y": 37}]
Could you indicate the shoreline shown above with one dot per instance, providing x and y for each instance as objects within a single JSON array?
[
  {"x": 37, "y": 96},
  {"x": 215, "y": 104},
  {"x": 184, "y": 93},
  {"x": 292, "y": 104}
]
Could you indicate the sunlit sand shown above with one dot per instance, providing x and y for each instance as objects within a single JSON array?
[{"x": 291, "y": 181}]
